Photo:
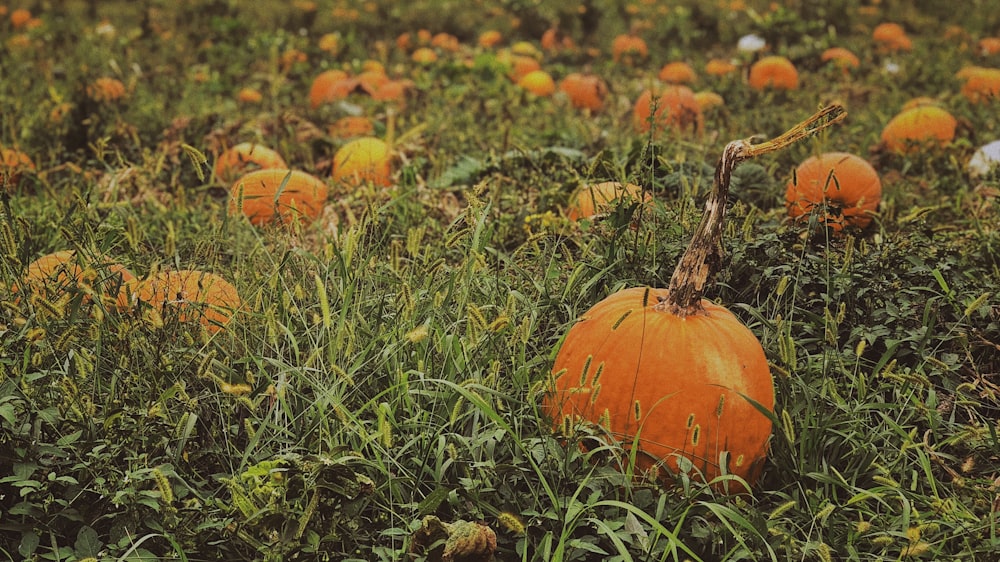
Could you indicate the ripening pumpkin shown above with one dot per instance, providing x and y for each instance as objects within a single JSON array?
[
  {"x": 538, "y": 82},
  {"x": 708, "y": 100},
  {"x": 917, "y": 127},
  {"x": 52, "y": 274},
  {"x": 489, "y": 39},
  {"x": 191, "y": 294},
  {"x": 676, "y": 108},
  {"x": 245, "y": 157},
  {"x": 988, "y": 46},
  {"x": 846, "y": 187},
  {"x": 774, "y": 72},
  {"x": 277, "y": 195},
  {"x": 366, "y": 159},
  {"x": 667, "y": 374},
  {"x": 249, "y": 96},
  {"x": 585, "y": 91},
  {"x": 13, "y": 163},
  {"x": 350, "y": 126},
  {"x": 592, "y": 200},
  {"x": 671, "y": 375}
]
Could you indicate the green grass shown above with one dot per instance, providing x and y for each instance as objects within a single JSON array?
[{"x": 390, "y": 359}]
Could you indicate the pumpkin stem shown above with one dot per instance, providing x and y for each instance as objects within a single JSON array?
[{"x": 703, "y": 256}]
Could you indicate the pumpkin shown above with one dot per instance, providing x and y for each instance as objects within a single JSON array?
[
  {"x": 352, "y": 126},
  {"x": 330, "y": 86},
  {"x": 988, "y": 46},
  {"x": 985, "y": 160},
  {"x": 245, "y": 157},
  {"x": 19, "y": 18},
  {"x": 13, "y": 163},
  {"x": 424, "y": 55},
  {"x": 670, "y": 376},
  {"x": 677, "y": 72},
  {"x": 720, "y": 67},
  {"x": 676, "y": 108},
  {"x": 708, "y": 100},
  {"x": 249, "y": 96},
  {"x": 190, "y": 294},
  {"x": 919, "y": 127},
  {"x": 592, "y": 200},
  {"x": 774, "y": 72},
  {"x": 277, "y": 195},
  {"x": 846, "y": 186},
  {"x": 981, "y": 84},
  {"x": 629, "y": 49},
  {"x": 585, "y": 91},
  {"x": 538, "y": 82},
  {"x": 489, "y": 39},
  {"x": 521, "y": 66},
  {"x": 106, "y": 90},
  {"x": 841, "y": 58},
  {"x": 52, "y": 274},
  {"x": 362, "y": 160},
  {"x": 891, "y": 37}
]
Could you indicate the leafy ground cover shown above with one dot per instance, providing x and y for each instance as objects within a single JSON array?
[{"x": 380, "y": 384}]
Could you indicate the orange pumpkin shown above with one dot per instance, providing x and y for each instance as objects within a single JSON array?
[
  {"x": 918, "y": 127},
  {"x": 191, "y": 294},
  {"x": 249, "y": 95},
  {"x": 13, "y": 163},
  {"x": 366, "y": 159},
  {"x": 521, "y": 66},
  {"x": 988, "y": 46},
  {"x": 106, "y": 90},
  {"x": 245, "y": 157},
  {"x": 676, "y": 108},
  {"x": 677, "y": 72},
  {"x": 629, "y": 49},
  {"x": 891, "y": 37},
  {"x": 329, "y": 86},
  {"x": 592, "y": 200},
  {"x": 708, "y": 100},
  {"x": 981, "y": 84},
  {"x": 775, "y": 72},
  {"x": 424, "y": 55},
  {"x": 277, "y": 196},
  {"x": 351, "y": 126},
  {"x": 841, "y": 58},
  {"x": 845, "y": 186},
  {"x": 489, "y": 39},
  {"x": 720, "y": 67},
  {"x": 585, "y": 91},
  {"x": 673, "y": 386},
  {"x": 52, "y": 274},
  {"x": 672, "y": 377}
]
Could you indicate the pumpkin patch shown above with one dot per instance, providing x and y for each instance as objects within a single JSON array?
[{"x": 473, "y": 280}]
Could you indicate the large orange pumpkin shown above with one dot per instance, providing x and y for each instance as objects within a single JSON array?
[
  {"x": 919, "y": 127},
  {"x": 845, "y": 185},
  {"x": 193, "y": 295},
  {"x": 670, "y": 376},
  {"x": 676, "y": 107},
  {"x": 591, "y": 200},
  {"x": 277, "y": 196},
  {"x": 245, "y": 157}
]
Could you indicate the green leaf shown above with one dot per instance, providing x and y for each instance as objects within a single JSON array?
[
  {"x": 29, "y": 542},
  {"x": 87, "y": 544}
]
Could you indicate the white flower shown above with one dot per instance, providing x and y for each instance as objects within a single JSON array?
[
  {"x": 751, "y": 43},
  {"x": 984, "y": 160},
  {"x": 890, "y": 67}
]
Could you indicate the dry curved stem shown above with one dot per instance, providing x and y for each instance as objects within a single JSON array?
[{"x": 703, "y": 257}]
